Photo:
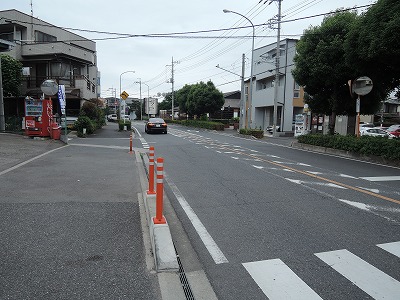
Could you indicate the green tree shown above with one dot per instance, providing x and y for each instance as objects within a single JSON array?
[
  {"x": 136, "y": 107},
  {"x": 182, "y": 97},
  {"x": 91, "y": 110},
  {"x": 373, "y": 47},
  {"x": 321, "y": 68},
  {"x": 166, "y": 104},
  {"x": 204, "y": 98},
  {"x": 11, "y": 75}
]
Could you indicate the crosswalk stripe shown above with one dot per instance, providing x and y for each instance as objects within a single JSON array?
[
  {"x": 278, "y": 281},
  {"x": 371, "y": 280},
  {"x": 393, "y": 248},
  {"x": 382, "y": 178}
]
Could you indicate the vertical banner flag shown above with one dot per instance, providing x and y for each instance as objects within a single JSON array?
[{"x": 61, "y": 98}]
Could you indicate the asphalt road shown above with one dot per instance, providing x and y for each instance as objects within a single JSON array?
[
  {"x": 269, "y": 221},
  {"x": 70, "y": 221}
]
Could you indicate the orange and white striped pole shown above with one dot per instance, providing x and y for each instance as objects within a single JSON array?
[
  {"x": 159, "y": 218},
  {"x": 151, "y": 190},
  {"x": 130, "y": 144}
]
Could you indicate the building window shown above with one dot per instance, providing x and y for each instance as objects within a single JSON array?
[
  {"x": 296, "y": 90},
  {"x": 44, "y": 37}
]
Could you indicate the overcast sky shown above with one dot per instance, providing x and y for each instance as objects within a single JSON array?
[{"x": 195, "y": 55}]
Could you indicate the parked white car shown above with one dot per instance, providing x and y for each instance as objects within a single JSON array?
[
  {"x": 112, "y": 117},
  {"x": 376, "y": 131}
]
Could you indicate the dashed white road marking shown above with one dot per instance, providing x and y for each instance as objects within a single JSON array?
[
  {"x": 316, "y": 183},
  {"x": 376, "y": 191}
]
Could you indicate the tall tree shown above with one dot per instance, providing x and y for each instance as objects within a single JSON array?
[
  {"x": 320, "y": 66},
  {"x": 204, "y": 98},
  {"x": 373, "y": 46},
  {"x": 11, "y": 70},
  {"x": 166, "y": 104},
  {"x": 182, "y": 97}
]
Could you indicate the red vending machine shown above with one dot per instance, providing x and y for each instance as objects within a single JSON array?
[{"x": 38, "y": 117}]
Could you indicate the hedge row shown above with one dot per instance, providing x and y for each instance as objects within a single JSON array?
[
  {"x": 257, "y": 133},
  {"x": 364, "y": 145},
  {"x": 199, "y": 124}
]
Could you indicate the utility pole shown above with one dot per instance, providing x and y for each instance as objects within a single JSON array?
[
  {"x": 243, "y": 104},
  {"x": 277, "y": 68},
  {"x": 2, "y": 118},
  {"x": 172, "y": 81}
]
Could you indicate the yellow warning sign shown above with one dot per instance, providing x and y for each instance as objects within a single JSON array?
[{"x": 124, "y": 95}]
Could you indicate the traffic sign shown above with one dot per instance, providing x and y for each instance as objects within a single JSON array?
[{"x": 124, "y": 95}]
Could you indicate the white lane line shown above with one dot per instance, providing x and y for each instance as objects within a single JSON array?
[
  {"x": 208, "y": 241},
  {"x": 258, "y": 167},
  {"x": 393, "y": 248},
  {"x": 30, "y": 160},
  {"x": 347, "y": 176},
  {"x": 373, "y": 209},
  {"x": 371, "y": 280},
  {"x": 316, "y": 183},
  {"x": 376, "y": 191},
  {"x": 382, "y": 178},
  {"x": 278, "y": 281}
]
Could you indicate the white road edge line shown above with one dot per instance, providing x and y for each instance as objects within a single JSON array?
[
  {"x": 30, "y": 160},
  {"x": 208, "y": 241}
]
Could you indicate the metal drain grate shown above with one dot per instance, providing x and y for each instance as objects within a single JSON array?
[{"x": 183, "y": 279}]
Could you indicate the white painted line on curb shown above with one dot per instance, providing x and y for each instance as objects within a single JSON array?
[{"x": 211, "y": 245}]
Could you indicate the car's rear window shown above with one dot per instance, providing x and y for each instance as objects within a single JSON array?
[{"x": 156, "y": 120}]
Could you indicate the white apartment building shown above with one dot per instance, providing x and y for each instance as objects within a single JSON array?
[
  {"x": 290, "y": 99},
  {"x": 49, "y": 52}
]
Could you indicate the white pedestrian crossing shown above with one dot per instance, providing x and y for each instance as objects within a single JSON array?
[
  {"x": 371, "y": 280},
  {"x": 278, "y": 281},
  {"x": 393, "y": 248},
  {"x": 382, "y": 178}
]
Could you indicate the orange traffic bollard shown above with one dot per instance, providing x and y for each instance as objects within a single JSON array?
[
  {"x": 159, "y": 218},
  {"x": 130, "y": 144},
  {"x": 151, "y": 190}
]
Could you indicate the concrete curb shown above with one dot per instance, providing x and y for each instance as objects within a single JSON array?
[
  {"x": 160, "y": 234},
  {"x": 161, "y": 239}
]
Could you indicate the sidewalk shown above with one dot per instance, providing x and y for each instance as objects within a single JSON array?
[{"x": 70, "y": 220}]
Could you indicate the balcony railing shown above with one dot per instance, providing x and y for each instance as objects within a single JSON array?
[
  {"x": 40, "y": 49},
  {"x": 87, "y": 88}
]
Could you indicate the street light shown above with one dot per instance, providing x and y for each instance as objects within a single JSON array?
[
  {"x": 120, "y": 76},
  {"x": 248, "y": 121}
]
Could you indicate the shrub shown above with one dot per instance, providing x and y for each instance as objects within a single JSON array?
[
  {"x": 123, "y": 123},
  {"x": 200, "y": 124},
  {"x": 257, "y": 133},
  {"x": 364, "y": 145},
  {"x": 94, "y": 113},
  {"x": 84, "y": 122}
]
